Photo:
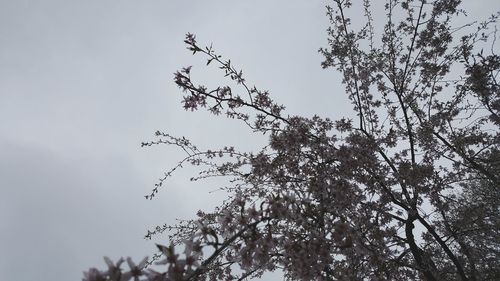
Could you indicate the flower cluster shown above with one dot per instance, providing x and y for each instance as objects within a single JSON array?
[
  {"x": 115, "y": 273},
  {"x": 340, "y": 200}
]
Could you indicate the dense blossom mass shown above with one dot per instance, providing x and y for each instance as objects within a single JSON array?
[{"x": 405, "y": 189}]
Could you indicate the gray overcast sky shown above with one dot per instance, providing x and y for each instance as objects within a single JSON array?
[{"x": 83, "y": 83}]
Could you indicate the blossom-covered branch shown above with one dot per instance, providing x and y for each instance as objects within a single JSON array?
[{"x": 408, "y": 191}]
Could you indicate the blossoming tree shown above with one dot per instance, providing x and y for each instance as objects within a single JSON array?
[{"x": 406, "y": 190}]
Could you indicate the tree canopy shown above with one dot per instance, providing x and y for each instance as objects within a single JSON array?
[{"x": 406, "y": 190}]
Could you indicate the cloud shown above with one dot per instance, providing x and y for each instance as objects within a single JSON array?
[{"x": 61, "y": 213}]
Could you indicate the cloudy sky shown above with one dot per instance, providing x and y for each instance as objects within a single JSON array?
[{"x": 83, "y": 83}]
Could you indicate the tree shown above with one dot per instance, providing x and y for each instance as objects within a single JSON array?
[{"x": 406, "y": 190}]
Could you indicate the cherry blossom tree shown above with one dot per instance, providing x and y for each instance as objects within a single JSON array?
[{"x": 404, "y": 189}]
